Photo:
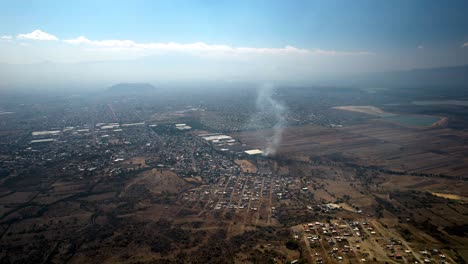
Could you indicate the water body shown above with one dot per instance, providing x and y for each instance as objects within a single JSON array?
[
  {"x": 413, "y": 120},
  {"x": 442, "y": 102}
]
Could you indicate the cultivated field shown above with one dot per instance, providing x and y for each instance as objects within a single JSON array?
[{"x": 389, "y": 146}]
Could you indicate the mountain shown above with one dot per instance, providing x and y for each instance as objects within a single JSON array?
[
  {"x": 131, "y": 88},
  {"x": 456, "y": 76}
]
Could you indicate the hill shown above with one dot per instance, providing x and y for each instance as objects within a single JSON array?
[{"x": 456, "y": 76}]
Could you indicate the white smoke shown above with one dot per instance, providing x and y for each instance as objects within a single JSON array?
[{"x": 271, "y": 110}]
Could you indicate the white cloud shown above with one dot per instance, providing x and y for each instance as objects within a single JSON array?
[
  {"x": 340, "y": 53},
  {"x": 420, "y": 47},
  {"x": 173, "y": 46},
  {"x": 6, "y": 37},
  {"x": 465, "y": 45},
  {"x": 201, "y": 47},
  {"x": 37, "y": 35}
]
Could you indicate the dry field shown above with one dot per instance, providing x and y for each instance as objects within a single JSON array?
[
  {"x": 138, "y": 161},
  {"x": 449, "y": 196},
  {"x": 17, "y": 197},
  {"x": 429, "y": 150},
  {"x": 446, "y": 188},
  {"x": 159, "y": 181},
  {"x": 246, "y": 166}
]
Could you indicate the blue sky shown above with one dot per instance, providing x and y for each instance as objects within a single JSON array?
[{"x": 321, "y": 37}]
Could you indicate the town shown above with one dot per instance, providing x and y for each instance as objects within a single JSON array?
[{"x": 173, "y": 182}]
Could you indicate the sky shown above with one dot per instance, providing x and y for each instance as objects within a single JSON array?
[{"x": 102, "y": 42}]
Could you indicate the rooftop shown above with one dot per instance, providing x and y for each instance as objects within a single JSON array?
[{"x": 254, "y": 152}]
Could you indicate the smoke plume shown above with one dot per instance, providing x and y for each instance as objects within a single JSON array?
[{"x": 270, "y": 111}]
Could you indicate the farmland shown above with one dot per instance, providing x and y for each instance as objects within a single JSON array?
[{"x": 438, "y": 151}]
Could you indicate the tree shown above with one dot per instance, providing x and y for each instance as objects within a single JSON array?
[{"x": 292, "y": 244}]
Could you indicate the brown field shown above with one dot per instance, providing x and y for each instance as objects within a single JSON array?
[
  {"x": 340, "y": 188},
  {"x": 17, "y": 198},
  {"x": 98, "y": 197},
  {"x": 159, "y": 181},
  {"x": 439, "y": 185},
  {"x": 429, "y": 150},
  {"x": 449, "y": 196},
  {"x": 67, "y": 187},
  {"x": 135, "y": 162},
  {"x": 246, "y": 166}
]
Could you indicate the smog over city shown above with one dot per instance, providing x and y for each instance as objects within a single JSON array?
[{"x": 318, "y": 131}]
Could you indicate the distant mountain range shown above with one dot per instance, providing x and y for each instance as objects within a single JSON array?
[
  {"x": 456, "y": 76},
  {"x": 90, "y": 76},
  {"x": 131, "y": 88}
]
